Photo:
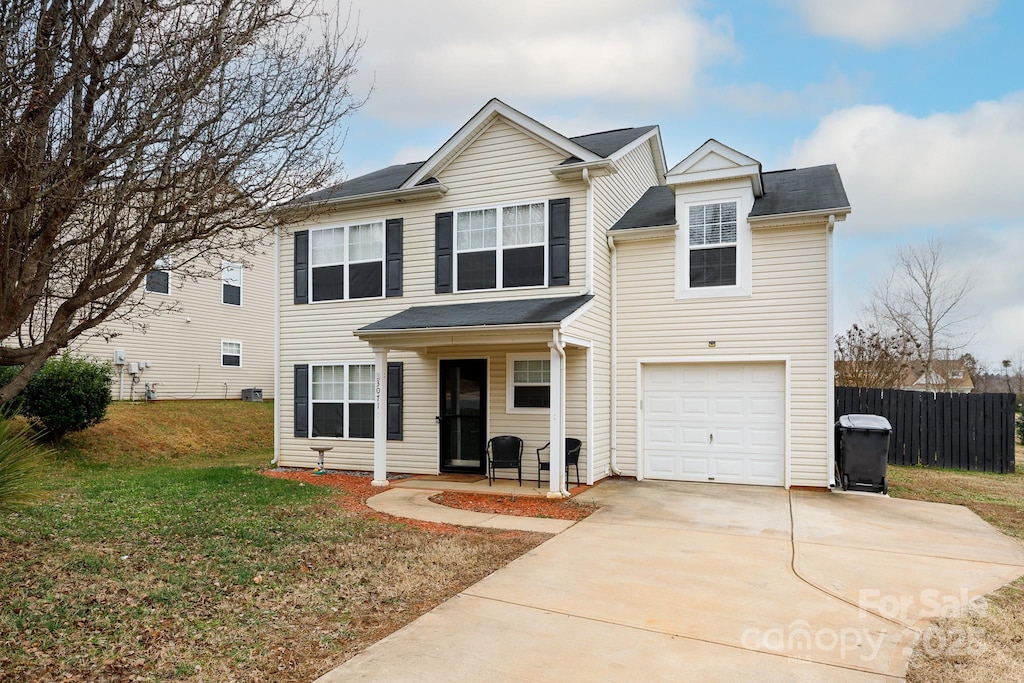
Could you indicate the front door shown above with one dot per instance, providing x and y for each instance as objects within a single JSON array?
[{"x": 463, "y": 415}]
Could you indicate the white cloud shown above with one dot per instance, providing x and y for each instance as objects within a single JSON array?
[
  {"x": 943, "y": 170},
  {"x": 875, "y": 23},
  {"x": 440, "y": 60},
  {"x": 812, "y": 99}
]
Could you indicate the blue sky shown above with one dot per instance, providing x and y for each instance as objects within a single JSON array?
[{"x": 919, "y": 102}]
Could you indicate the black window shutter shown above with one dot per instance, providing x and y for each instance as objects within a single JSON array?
[
  {"x": 394, "y": 401},
  {"x": 301, "y": 284},
  {"x": 301, "y": 401},
  {"x": 558, "y": 241},
  {"x": 443, "y": 223},
  {"x": 393, "y": 254}
]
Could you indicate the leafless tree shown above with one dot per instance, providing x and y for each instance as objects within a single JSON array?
[
  {"x": 131, "y": 130},
  {"x": 924, "y": 299},
  {"x": 870, "y": 358}
]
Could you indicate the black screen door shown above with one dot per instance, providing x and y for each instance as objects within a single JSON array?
[{"x": 463, "y": 415}]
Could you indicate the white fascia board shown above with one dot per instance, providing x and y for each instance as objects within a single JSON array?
[
  {"x": 651, "y": 138},
  {"x": 782, "y": 220},
  {"x": 497, "y": 108},
  {"x": 427, "y": 191},
  {"x": 602, "y": 167},
  {"x": 386, "y": 337},
  {"x": 645, "y": 233},
  {"x": 713, "y": 175}
]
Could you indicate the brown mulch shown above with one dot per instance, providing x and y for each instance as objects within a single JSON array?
[{"x": 519, "y": 506}]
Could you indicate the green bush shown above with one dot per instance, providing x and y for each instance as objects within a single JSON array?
[
  {"x": 20, "y": 462},
  {"x": 67, "y": 395}
]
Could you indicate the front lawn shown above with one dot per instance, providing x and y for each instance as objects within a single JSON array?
[
  {"x": 192, "y": 566},
  {"x": 989, "y": 645}
]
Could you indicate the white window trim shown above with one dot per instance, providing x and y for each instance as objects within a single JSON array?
[
  {"x": 347, "y": 263},
  {"x": 742, "y": 288},
  {"x": 345, "y": 402},
  {"x": 224, "y": 266},
  {"x": 222, "y": 354},
  {"x": 499, "y": 246},
  {"x": 510, "y": 384},
  {"x": 162, "y": 264}
]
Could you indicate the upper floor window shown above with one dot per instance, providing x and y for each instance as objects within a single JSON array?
[
  {"x": 231, "y": 354},
  {"x": 231, "y": 283},
  {"x": 501, "y": 247},
  {"x": 158, "y": 280},
  {"x": 347, "y": 262},
  {"x": 713, "y": 242}
]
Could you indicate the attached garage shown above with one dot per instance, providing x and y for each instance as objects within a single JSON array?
[{"x": 719, "y": 422}]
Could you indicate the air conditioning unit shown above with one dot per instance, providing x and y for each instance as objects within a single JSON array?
[{"x": 252, "y": 395}]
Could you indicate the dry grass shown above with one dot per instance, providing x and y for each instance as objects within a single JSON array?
[
  {"x": 987, "y": 644},
  {"x": 202, "y": 569}
]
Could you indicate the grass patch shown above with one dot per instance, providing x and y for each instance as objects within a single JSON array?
[
  {"x": 994, "y": 637},
  {"x": 191, "y": 565}
]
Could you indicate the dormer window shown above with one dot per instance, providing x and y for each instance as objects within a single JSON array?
[{"x": 712, "y": 243}]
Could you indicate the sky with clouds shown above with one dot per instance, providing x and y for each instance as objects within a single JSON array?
[{"x": 919, "y": 102}]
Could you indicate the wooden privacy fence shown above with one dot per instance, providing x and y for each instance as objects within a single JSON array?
[{"x": 954, "y": 431}]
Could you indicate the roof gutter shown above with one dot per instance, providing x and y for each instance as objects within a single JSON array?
[
  {"x": 430, "y": 190},
  {"x": 816, "y": 216},
  {"x": 379, "y": 334},
  {"x": 593, "y": 168}
]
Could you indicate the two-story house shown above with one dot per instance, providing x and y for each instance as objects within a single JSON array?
[
  {"x": 203, "y": 337},
  {"x": 676, "y": 320}
]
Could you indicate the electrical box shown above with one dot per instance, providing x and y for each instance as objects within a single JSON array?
[
  {"x": 120, "y": 357},
  {"x": 133, "y": 368},
  {"x": 145, "y": 364}
]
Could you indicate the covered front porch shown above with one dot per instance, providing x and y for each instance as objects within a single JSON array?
[{"x": 486, "y": 369}]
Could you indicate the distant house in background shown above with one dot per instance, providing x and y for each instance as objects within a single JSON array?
[
  {"x": 946, "y": 376},
  {"x": 216, "y": 341}
]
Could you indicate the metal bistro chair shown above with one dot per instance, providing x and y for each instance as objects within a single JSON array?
[
  {"x": 572, "y": 457},
  {"x": 504, "y": 452}
]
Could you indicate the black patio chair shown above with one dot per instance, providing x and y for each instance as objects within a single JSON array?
[
  {"x": 572, "y": 457},
  {"x": 504, "y": 452}
]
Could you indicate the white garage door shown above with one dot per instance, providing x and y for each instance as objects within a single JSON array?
[{"x": 722, "y": 422}]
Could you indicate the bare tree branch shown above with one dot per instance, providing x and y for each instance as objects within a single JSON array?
[{"x": 136, "y": 129}]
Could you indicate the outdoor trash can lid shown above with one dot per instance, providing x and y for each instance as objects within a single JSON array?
[{"x": 870, "y": 423}]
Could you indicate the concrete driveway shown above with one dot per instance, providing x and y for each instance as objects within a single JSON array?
[{"x": 676, "y": 581}]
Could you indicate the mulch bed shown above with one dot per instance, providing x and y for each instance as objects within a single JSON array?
[
  {"x": 356, "y": 489},
  {"x": 520, "y": 506}
]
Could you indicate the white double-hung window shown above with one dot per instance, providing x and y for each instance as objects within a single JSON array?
[
  {"x": 713, "y": 243},
  {"x": 342, "y": 400},
  {"x": 347, "y": 262},
  {"x": 501, "y": 247}
]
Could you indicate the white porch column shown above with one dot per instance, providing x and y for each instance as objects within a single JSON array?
[
  {"x": 556, "y": 418},
  {"x": 380, "y": 418}
]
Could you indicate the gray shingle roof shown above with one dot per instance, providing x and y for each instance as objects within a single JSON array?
[
  {"x": 818, "y": 188},
  {"x": 481, "y": 314},
  {"x": 390, "y": 178},
  {"x": 608, "y": 142},
  {"x": 657, "y": 207},
  {"x": 801, "y": 189}
]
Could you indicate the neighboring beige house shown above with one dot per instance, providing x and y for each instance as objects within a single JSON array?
[
  {"x": 946, "y": 376},
  {"x": 676, "y": 320},
  {"x": 216, "y": 339}
]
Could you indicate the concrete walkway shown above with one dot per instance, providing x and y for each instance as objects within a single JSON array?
[
  {"x": 705, "y": 582},
  {"x": 415, "y": 504}
]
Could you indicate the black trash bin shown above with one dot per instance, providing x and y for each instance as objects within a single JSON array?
[{"x": 862, "y": 450}]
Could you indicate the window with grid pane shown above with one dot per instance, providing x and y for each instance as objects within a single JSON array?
[
  {"x": 531, "y": 383},
  {"x": 231, "y": 354},
  {"x": 499, "y": 248},
  {"x": 347, "y": 262},
  {"x": 712, "y": 233},
  {"x": 343, "y": 400}
]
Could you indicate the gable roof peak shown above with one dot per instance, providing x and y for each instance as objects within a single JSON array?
[{"x": 716, "y": 161}]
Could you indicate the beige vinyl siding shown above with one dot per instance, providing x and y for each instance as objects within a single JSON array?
[
  {"x": 613, "y": 196},
  {"x": 787, "y": 315},
  {"x": 184, "y": 343},
  {"x": 502, "y": 165}
]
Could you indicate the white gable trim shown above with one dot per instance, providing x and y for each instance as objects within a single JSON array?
[
  {"x": 695, "y": 169},
  {"x": 480, "y": 121},
  {"x": 652, "y": 138}
]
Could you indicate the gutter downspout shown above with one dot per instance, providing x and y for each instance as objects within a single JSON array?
[
  {"x": 559, "y": 347},
  {"x": 277, "y": 346},
  {"x": 590, "y": 233},
  {"x": 830, "y": 367},
  {"x": 614, "y": 383}
]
